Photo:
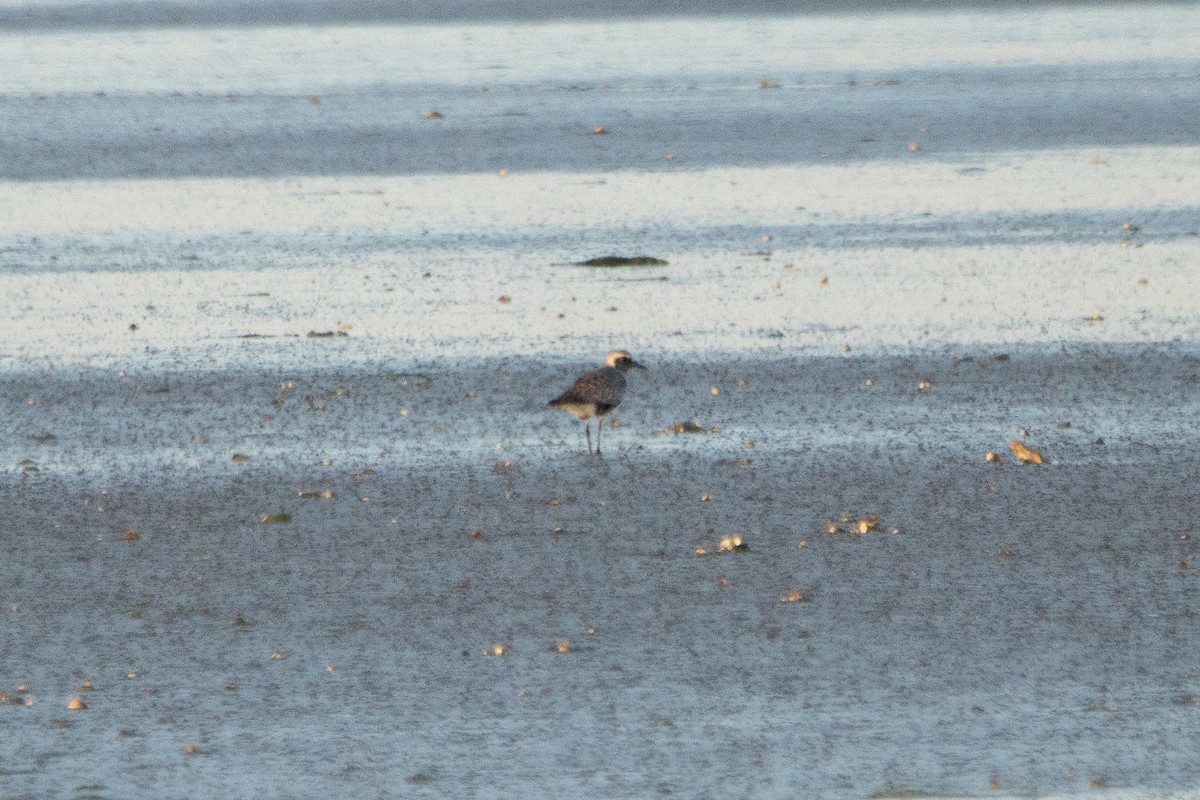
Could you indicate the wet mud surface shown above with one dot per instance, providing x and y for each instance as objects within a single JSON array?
[{"x": 1020, "y": 625}]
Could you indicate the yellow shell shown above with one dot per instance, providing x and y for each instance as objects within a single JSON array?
[{"x": 1024, "y": 452}]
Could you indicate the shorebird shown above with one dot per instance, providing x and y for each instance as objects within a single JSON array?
[{"x": 598, "y": 392}]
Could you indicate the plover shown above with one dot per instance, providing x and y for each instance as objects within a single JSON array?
[{"x": 598, "y": 392}]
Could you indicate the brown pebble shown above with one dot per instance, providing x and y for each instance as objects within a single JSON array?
[
  {"x": 76, "y": 704},
  {"x": 130, "y": 535}
]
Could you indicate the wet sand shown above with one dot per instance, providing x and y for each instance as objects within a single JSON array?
[
  {"x": 1022, "y": 625},
  {"x": 286, "y": 511}
]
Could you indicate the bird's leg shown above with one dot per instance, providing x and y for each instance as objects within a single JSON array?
[
  {"x": 587, "y": 431},
  {"x": 599, "y": 427}
]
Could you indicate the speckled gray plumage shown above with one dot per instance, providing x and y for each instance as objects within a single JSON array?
[{"x": 594, "y": 394}]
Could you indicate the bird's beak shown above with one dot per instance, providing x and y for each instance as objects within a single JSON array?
[{"x": 642, "y": 367}]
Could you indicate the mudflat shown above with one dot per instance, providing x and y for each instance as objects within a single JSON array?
[{"x": 320, "y": 578}]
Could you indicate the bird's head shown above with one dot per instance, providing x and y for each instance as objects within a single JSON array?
[{"x": 620, "y": 359}]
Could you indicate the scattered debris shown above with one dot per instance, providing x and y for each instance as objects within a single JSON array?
[
  {"x": 130, "y": 535},
  {"x": 794, "y": 596},
  {"x": 76, "y": 704},
  {"x": 280, "y": 518},
  {"x": 766, "y": 84},
  {"x": 857, "y": 524},
  {"x": 562, "y": 646},
  {"x": 685, "y": 427},
  {"x": 326, "y": 334}
]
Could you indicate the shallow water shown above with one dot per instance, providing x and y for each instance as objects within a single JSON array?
[
  {"x": 284, "y": 101},
  {"x": 989, "y": 235}
]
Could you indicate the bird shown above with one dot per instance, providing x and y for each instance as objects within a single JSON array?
[{"x": 598, "y": 392}]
